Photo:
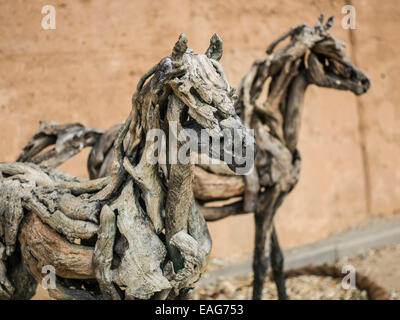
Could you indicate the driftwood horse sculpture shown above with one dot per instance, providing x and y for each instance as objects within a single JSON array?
[
  {"x": 136, "y": 233},
  {"x": 312, "y": 56}
]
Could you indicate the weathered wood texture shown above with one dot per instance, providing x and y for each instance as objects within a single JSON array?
[{"x": 136, "y": 233}]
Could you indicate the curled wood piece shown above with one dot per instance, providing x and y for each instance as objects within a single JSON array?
[
  {"x": 69, "y": 140},
  {"x": 29, "y": 187},
  {"x": 34, "y": 175},
  {"x": 103, "y": 254},
  {"x": 208, "y": 186},
  {"x": 139, "y": 272},
  {"x": 81, "y": 187},
  {"x": 73, "y": 207},
  {"x": 60, "y": 292},
  {"x": 26, "y": 172}
]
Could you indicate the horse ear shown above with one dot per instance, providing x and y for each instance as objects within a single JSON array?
[
  {"x": 319, "y": 24},
  {"x": 329, "y": 23},
  {"x": 214, "y": 51},
  {"x": 179, "y": 48},
  {"x": 320, "y": 20}
]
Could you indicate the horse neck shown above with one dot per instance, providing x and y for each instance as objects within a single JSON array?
[
  {"x": 179, "y": 197},
  {"x": 293, "y": 111}
]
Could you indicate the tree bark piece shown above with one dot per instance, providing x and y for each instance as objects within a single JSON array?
[{"x": 47, "y": 247}]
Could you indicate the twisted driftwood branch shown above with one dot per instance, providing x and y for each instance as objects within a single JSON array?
[{"x": 68, "y": 139}]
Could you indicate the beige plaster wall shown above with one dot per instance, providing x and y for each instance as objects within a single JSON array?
[{"x": 86, "y": 70}]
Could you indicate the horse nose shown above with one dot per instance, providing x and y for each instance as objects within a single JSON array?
[{"x": 366, "y": 83}]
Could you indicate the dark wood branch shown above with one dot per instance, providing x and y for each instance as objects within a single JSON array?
[{"x": 218, "y": 213}]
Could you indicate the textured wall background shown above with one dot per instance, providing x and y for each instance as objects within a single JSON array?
[{"x": 86, "y": 70}]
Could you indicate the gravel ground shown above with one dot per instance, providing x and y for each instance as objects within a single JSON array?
[
  {"x": 381, "y": 265},
  {"x": 300, "y": 288}
]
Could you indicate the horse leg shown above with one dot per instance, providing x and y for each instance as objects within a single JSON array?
[
  {"x": 261, "y": 253},
  {"x": 266, "y": 208},
  {"x": 277, "y": 262}
]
